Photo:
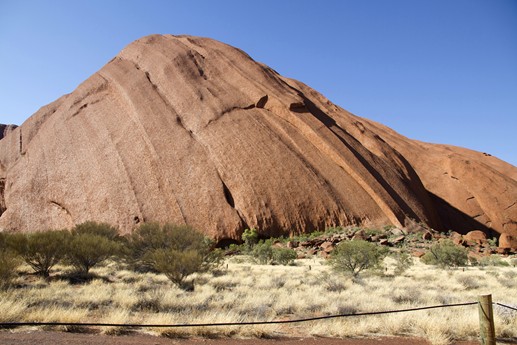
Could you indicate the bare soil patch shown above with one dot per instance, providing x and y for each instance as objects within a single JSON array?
[{"x": 59, "y": 338}]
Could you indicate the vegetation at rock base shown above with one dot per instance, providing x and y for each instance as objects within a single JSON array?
[
  {"x": 446, "y": 254},
  {"x": 176, "y": 251},
  {"x": 353, "y": 257},
  {"x": 284, "y": 256},
  {"x": 9, "y": 262},
  {"x": 90, "y": 244},
  {"x": 250, "y": 238},
  {"x": 42, "y": 250},
  {"x": 151, "y": 276},
  {"x": 403, "y": 260},
  {"x": 264, "y": 252}
]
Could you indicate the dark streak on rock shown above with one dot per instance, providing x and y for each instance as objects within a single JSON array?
[
  {"x": 506, "y": 208},
  {"x": 60, "y": 206},
  {"x": 2, "y": 198}
]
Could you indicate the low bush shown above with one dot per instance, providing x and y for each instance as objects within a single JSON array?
[
  {"x": 42, "y": 250},
  {"x": 90, "y": 244},
  {"x": 99, "y": 229},
  {"x": 9, "y": 261},
  {"x": 262, "y": 252},
  {"x": 492, "y": 260},
  {"x": 284, "y": 256},
  {"x": 353, "y": 257},
  {"x": 250, "y": 238},
  {"x": 176, "y": 251},
  {"x": 404, "y": 261},
  {"x": 446, "y": 254}
]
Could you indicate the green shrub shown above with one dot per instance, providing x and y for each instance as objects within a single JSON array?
[
  {"x": 145, "y": 239},
  {"x": 284, "y": 256},
  {"x": 403, "y": 262},
  {"x": 9, "y": 261},
  {"x": 87, "y": 250},
  {"x": 177, "y": 265},
  {"x": 100, "y": 229},
  {"x": 176, "y": 251},
  {"x": 492, "y": 260},
  {"x": 90, "y": 244},
  {"x": 263, "y": 252},
  {"x": 42, "y": 250},
  {"x": 356, "y": 256},
  {"x": 250, "y": 238},
  {"x": 446, "y": 254}
]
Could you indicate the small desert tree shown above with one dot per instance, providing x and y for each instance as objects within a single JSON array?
[
  {"x": 42, "y": 250},
  {"x": 90, "y": 244},
  {"x": 176, "y": 251},
  {"x": 446, "y": 254},
  {"x": 353, "y": 257}
]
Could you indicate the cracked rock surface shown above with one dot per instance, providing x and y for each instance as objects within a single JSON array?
[{"x": 190, "y": 130}]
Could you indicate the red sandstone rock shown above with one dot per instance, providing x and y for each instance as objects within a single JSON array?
[
  {"x": 508, "y": 241},
  {"x": 190, "y": 130},
  {"x": 293, "y": 244},
  {"x": 476, "y": 236},
  {"x": 327, "y": 246},
  {"x": 418, "y": 253},
  {"x": 359, "y": 235},
  {"x": 398, "y": 239}
]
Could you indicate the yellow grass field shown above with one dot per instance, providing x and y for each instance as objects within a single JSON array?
[{"x": 242, "y": 291}]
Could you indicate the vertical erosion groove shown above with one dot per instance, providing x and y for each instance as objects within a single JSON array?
[
  {"x": 2, "y": 198},
  {"x": 228, "y": 196}
]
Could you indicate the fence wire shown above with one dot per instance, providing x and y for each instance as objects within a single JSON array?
[
  {"x": 506, "y": 306},
  {"x": 246, "y": 323}
]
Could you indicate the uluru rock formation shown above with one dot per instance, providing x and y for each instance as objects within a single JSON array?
[{"x": 190, "y": 130}]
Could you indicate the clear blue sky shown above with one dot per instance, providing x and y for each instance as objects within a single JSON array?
[{"x": 442, "y": 71}]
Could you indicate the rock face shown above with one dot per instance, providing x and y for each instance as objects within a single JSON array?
[
  {"x": 190, "y": 130},
  {"x": 507, "y": 241}
]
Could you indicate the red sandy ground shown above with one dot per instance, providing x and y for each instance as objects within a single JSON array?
[{"x": 58, "y": 338}]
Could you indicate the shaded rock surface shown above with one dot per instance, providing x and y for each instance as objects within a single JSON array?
[
  {"x": 6, "y": 129},
  {"x": 507, "y": 241},
  {"x": 190, "y": 130}
]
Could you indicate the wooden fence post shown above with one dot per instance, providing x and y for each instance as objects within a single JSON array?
[{"x": 486, "y": 320}]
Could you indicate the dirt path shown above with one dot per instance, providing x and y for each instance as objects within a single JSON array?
[{"x": 58, "y": 338}]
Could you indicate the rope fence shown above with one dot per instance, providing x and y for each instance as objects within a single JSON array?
[
  {"x": 505, "y": 306},
  {"x": 248, "y": 323},
  {"x": 486, "y": 319}
]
